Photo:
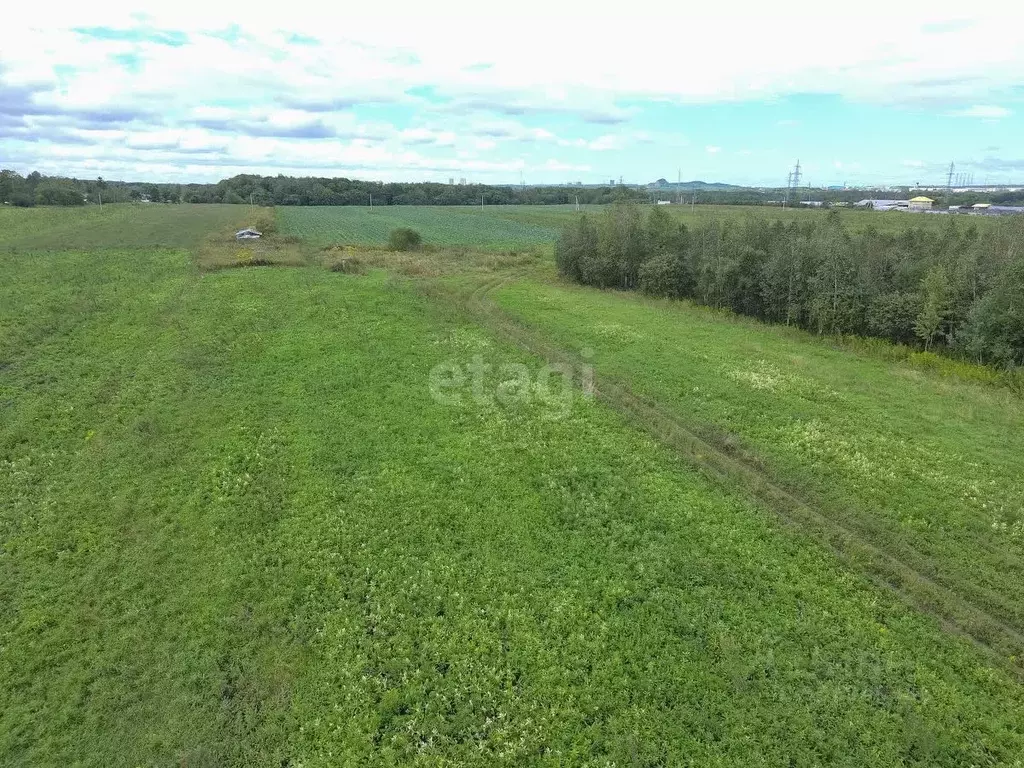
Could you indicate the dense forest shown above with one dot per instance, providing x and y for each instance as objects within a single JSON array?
[{"x": 955, "y": 290}]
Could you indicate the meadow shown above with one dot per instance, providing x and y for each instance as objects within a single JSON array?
[
  {"x": 238, "y": 529},
  {"x": 509, "y": 227},
  {"x": 116, "y": 226},
  {"x": 925, "y": 466}
]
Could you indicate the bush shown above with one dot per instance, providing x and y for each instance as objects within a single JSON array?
[
  {"x": 349, "y": 265},
  {"x": 404, "y": 239},
  {"x": 23, "y": 200},
  {"x": 59, "y": 196},
  {"x": 265, "y": 222}
]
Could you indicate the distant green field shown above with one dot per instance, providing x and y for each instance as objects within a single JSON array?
[
  {"x": 116, "y": 226},
  {"x": 504, "y": 227},
  {"x": 494, "y": 228},
  {"x": 440, "y": 226}
]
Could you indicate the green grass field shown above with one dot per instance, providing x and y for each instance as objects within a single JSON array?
[
  {"x": 510, "y": 227},
  {"x": 926, "y": 466},
  {"x": 440, "y": 226},
  {"x": 116, "y": 226},
  {"x": 236, "y": 528}
]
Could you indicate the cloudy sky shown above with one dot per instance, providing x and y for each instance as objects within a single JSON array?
[{"x": 495, "y": 92}]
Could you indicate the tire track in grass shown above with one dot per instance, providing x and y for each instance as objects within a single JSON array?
[{"x": 717, "y": 457}]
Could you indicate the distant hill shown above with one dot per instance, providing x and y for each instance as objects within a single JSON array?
[{"x": 699, "y": 185}]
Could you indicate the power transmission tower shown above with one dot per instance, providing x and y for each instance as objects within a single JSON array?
[
  {"x": 949, "y": 178},
  {"x": 792, "y": 181}
]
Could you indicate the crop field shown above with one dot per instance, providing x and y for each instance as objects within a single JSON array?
[
  {"x": 116, "y": 226},
  {"x": 440, "y": 226},
  {"x": 510, "y": 227},
  {"x": 243, "y": 523}
]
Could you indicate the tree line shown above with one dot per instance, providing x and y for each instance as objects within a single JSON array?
[
  {"x": 956, "y": 290},
  {"x": 36, "y": 189}
]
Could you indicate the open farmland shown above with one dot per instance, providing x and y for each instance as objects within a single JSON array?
[
  {"x": 440, "y": 226},
  {"x": 238, "y": 527},
  {"x": 510, "y": 227},
  {"x": 116, "y": 226}
]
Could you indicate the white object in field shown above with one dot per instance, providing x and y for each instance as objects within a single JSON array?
[{"x": 247, "y": 234}]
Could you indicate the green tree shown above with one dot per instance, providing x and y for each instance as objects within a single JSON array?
[
  {"x": 934, "y": 305},
  {"x": 894, "y": 316},
  {"x": 995, "y": 329},
  {"x": 9, "y": 184},
  {"x": 835, "y": 298},
  {"x": 56, "y": 194},
  {"x": 662, "y": 231},
  {"x": 576, "y": 246}
]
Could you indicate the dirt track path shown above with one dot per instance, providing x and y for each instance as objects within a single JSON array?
[{"x": 858, "y": 545}]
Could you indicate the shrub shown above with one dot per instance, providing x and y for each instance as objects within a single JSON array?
[
  {"x": 23, "y": 200},
  {"x": 404, "y": 239},
  {"x": 265, "y": 221},
  {"x": 349, "y": 265},
  {"x": 59, "y": 196}
]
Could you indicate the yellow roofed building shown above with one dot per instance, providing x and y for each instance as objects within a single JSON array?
[{"x": 921, "y": 203}]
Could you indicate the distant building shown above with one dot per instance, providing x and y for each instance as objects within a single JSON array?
[
  {"x": 884, "y": 205},
  {"x": 611, "y": 182},
  {"x": 982, "y": 207},
  {"x": 920, "y": 203},
  {"x": 664, "y": 202},
  {"x": 451, "y": 180}
]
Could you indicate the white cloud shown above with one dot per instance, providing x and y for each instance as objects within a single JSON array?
[
  {"x": 604, "y": 143},
  {"x": 982, "y": 111},
  {"x": 469, "y": 75},
  {"x": 416, "y": 46}
]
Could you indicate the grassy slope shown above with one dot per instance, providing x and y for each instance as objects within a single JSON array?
[
  {"x": 932, "y": 464},
  {"x": 237, "y": 530}
]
